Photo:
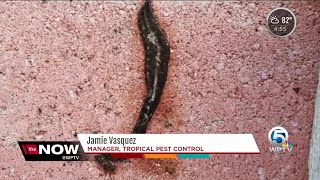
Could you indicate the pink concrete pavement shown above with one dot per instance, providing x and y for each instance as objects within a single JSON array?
[{"x": 77, "y": 67}]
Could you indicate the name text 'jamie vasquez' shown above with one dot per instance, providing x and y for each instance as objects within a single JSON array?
[{"x": 111, "y": 140}]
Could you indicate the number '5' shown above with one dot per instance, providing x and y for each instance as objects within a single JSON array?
[{"x": 278, "y": 136}]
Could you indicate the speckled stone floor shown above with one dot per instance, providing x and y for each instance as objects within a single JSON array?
[{"x": 77, "y": 67}]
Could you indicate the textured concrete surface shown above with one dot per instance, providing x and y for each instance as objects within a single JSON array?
[
  {"x": 77, "y": 67},
  {"x": 314, "y": 156}
]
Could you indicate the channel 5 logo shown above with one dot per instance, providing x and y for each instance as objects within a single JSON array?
[{"x": 279, "y": 139}]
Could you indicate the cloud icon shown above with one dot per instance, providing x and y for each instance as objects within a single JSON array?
[{"x": 274, "y": 20}]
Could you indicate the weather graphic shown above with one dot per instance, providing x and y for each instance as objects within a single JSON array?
[{"x": 274, "y": 20}]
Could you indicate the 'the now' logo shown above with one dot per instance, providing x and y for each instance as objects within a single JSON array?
[{"x": 56, "y": 149}]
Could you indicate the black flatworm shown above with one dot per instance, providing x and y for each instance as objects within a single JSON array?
[{"x": 157, "y": 55}]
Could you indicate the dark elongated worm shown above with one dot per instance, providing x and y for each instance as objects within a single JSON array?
[{"x": 157, "y": 54}]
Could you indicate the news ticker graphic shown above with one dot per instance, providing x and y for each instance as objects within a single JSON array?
[
  {"x": 179, "y": 146},
  {"x": 52, "y": 151}
]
